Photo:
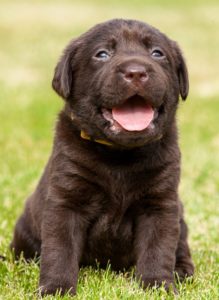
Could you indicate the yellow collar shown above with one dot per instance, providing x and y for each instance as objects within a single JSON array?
[{"x": 86, "y": 137}]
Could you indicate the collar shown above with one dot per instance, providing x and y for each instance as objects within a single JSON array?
[{"x": 85, "y": 136}]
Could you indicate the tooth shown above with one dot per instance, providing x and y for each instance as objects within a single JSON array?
[
  {"x": 108, "y": 116},
  {"x": 155, "y": 114},
  {"x": 152, "y": 125},
  {"x": 111, "y": 121},
  {"x": 115, "y": 129}
]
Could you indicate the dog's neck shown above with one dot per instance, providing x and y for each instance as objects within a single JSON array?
[{"x": 85, "y": 136}]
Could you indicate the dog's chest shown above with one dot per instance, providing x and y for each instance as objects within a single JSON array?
[
  {"x": 111, "y": 233},
  {"x": 110, "y": 238},
  {"x": 115, "y": 219}
]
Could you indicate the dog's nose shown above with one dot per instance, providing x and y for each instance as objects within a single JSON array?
[{"x": 134, "y": 73}]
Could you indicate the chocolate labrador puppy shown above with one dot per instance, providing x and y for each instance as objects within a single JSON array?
[{"x": 109, "y": 191}]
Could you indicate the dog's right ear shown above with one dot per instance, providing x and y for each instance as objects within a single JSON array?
[
  {"x": 63, "y": 77},
  {"x": 182, "y": 72}
]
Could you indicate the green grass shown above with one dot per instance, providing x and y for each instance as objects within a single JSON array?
[{"x": 32, "y": 35}]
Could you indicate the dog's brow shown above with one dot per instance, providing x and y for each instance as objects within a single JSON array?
[
  {"x": 147, "y": 40},
  {"x": 113, "y": 41}
]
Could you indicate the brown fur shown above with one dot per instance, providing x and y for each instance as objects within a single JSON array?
[{"x": 120, "y": 202}]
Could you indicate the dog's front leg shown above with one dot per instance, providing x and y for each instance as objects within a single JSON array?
[
  {"x": 157, "y": 234},
  {"x": 62, "y": 242}
]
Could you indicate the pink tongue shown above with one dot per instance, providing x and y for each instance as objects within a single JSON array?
[{"x": 133, "y": 115}]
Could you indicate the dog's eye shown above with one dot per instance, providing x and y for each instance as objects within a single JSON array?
[
  {"x": 102, "y": 55},
  {"x": 157, "y": 53}
]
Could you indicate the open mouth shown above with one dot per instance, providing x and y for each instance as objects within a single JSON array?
[{"x": 135, "y": 114}]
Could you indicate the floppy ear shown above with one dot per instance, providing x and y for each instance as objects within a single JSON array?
[
  {"x": 63, "y": 77},
  {"x": 182, "y": 73}
]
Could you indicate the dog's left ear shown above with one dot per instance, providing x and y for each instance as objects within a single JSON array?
[
  {"x": 182, "y": 72},
  {"x": 63, "y": 77}
]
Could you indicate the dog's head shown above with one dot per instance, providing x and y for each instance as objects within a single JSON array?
[{"x": 122, "y": 80}]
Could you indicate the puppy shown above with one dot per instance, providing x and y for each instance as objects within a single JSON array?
[{"x": 109, "y": 191}]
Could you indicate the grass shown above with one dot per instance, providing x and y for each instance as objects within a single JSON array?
[{"x": 32, "y": 35}]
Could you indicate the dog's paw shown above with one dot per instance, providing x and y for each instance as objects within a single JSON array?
[
  {"x": 52, "y": 289},
  {"x": 184, "y": 270},
  {"x": 167, "y": 283}
]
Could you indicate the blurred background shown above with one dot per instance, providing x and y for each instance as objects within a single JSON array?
[{"x": 32, "y": 37}]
